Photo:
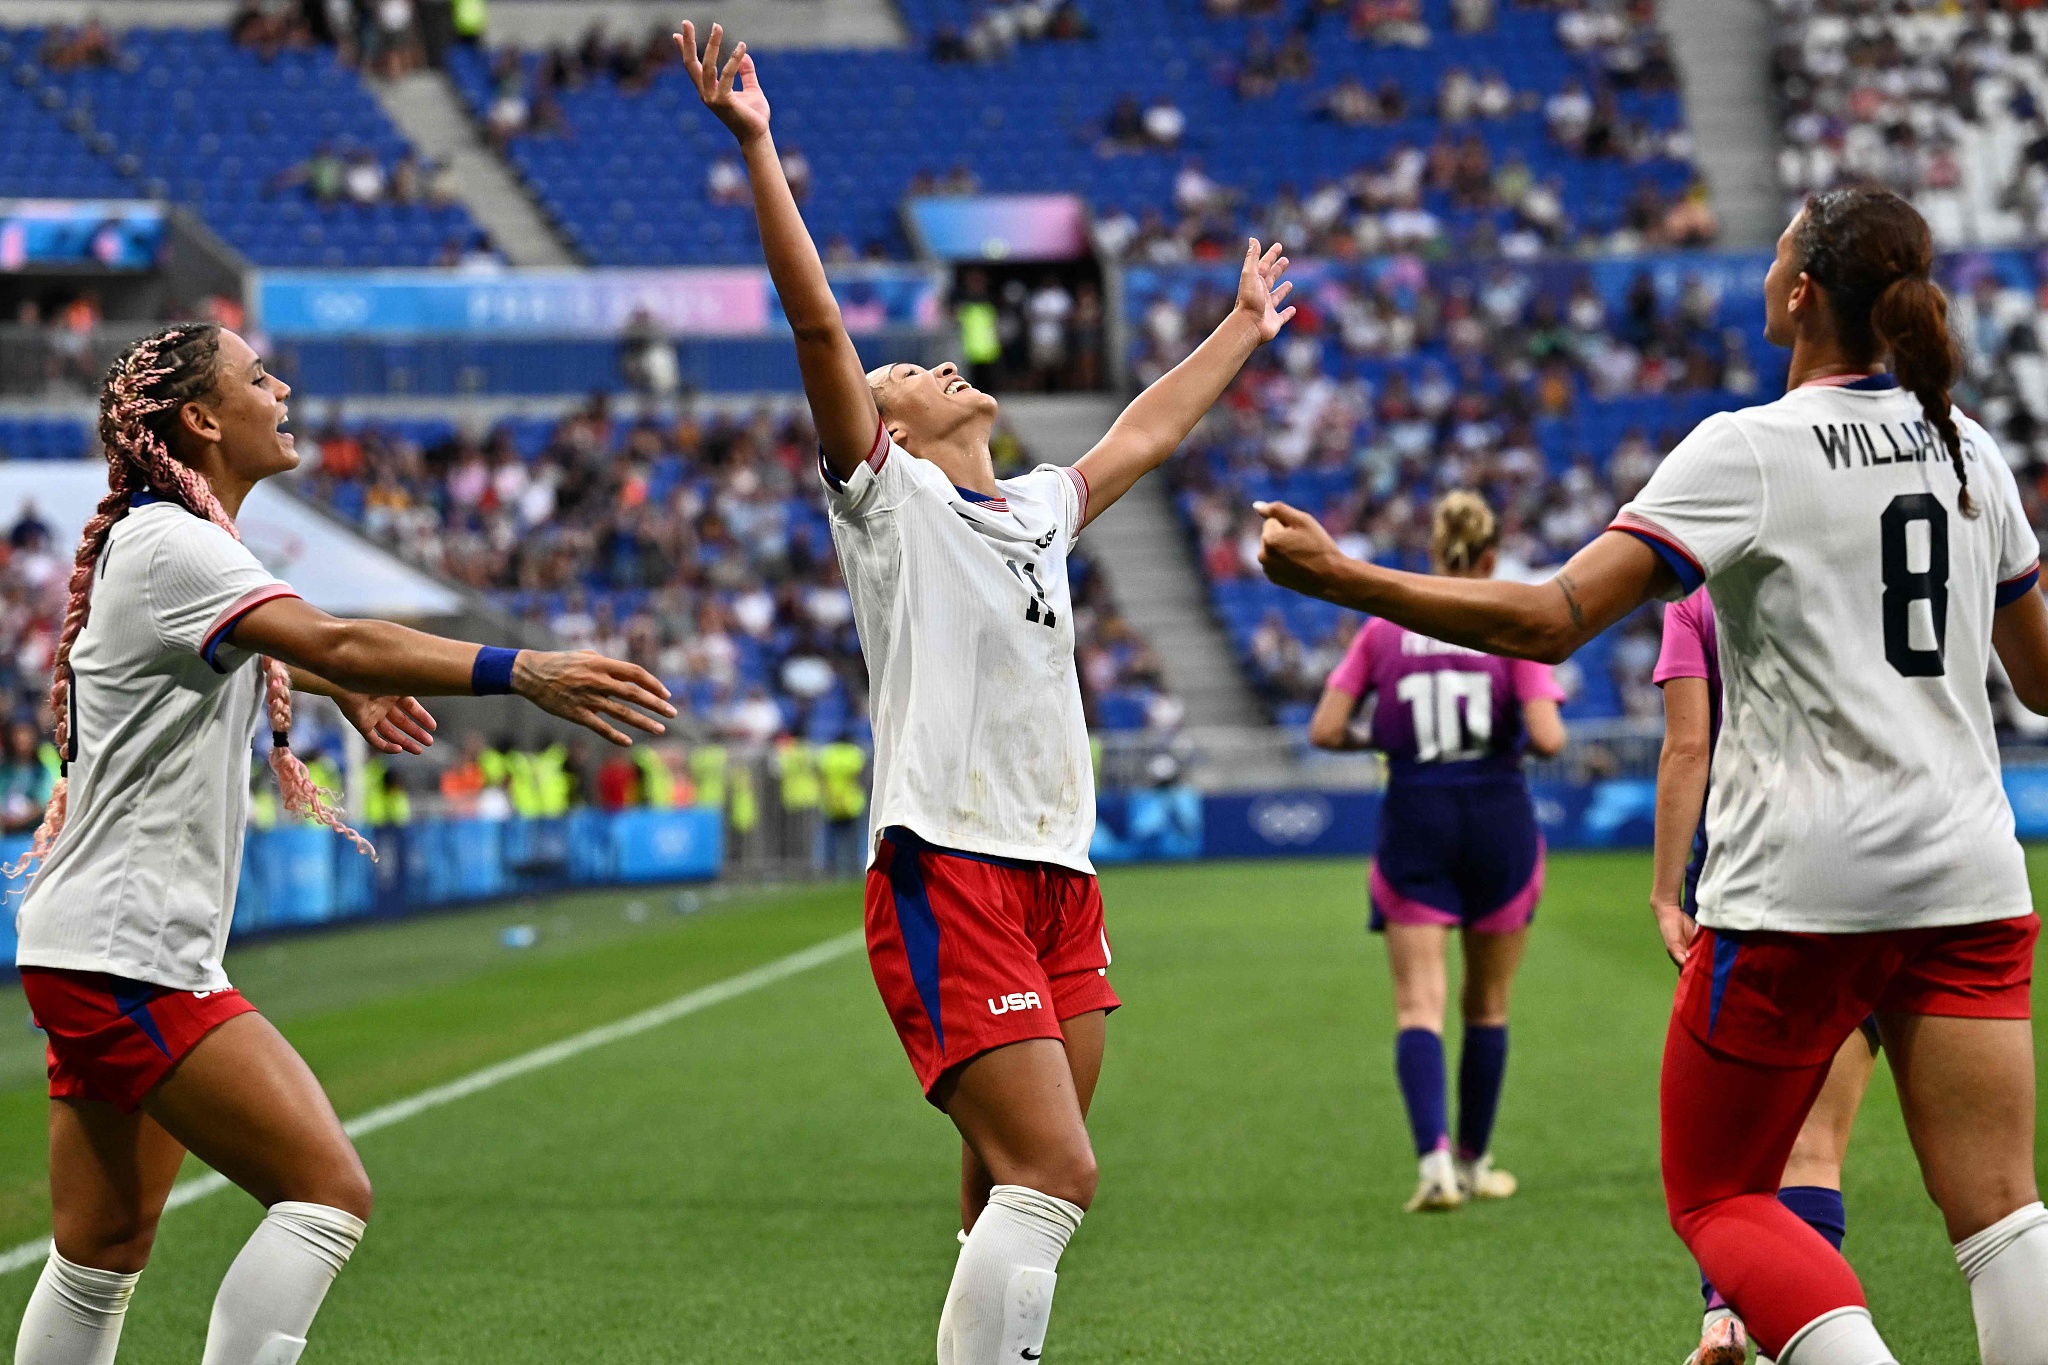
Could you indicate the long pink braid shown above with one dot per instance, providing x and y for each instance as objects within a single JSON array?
[{"x": 138, "y": 459}]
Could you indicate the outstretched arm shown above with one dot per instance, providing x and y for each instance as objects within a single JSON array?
[
  {"x": 381, "y": 659},
  {"x": 842, "y": 406},
  {"x": 1547, "y": 621},
  {"x": 1161, "y": 417}
]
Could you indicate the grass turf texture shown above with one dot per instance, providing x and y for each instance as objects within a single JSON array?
[{"x": 761, "y": 1182}]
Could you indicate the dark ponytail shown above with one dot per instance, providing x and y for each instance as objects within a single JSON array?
[
  {"x": 1911, "y": 321},
  {"x": 1871, "y": 252}
]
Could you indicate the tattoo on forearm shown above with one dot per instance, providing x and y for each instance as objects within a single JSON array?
[{"x": 1565, "y": 586}]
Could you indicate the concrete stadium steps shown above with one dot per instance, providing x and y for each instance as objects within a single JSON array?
[
  {"x": 433, "y": 117},
  {"x": 1723, "y": 50},
  {"x": 763, "y": 23},
  {"x": 1158, "y": 585}
]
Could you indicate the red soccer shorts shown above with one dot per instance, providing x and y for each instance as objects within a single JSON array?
[
  {"x": 1790, "y": 999},
  {"x": 973, "y": 952},
  {"x": 112, "y": 1040}
]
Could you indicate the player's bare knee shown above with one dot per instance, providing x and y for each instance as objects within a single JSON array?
[
  {"x": 1419, "y": 1013},
  {"x": 121, "y": 1245},
  {"x": 345, "y": 1185},
  {"x": 1071, "y": 1176}
]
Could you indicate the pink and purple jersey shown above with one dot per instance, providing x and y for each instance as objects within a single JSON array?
[
  {"x": 1691, "y": 649},
  {"x": 1443, "y": 713}
]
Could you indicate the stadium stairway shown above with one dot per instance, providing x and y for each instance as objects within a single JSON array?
[
  {"x": 1141, "y": 546},
  {"x": 765, "y": 24},
  {"x": 1723, "y": 52},
  {"x": 433, "y": 117}
]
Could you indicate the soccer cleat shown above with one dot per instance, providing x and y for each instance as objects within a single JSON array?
[
  {"x": 1478, "y": 1180},
  {"x": 1722, "y": 1341},
  {"x": 1437, "y": 1191}
]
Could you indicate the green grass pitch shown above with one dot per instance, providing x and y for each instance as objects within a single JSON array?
[{"x": 760, "y": 1182}]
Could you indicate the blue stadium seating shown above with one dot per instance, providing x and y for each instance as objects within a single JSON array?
[
  {"x": 188, "y": 116},
  {"x": 627, "y": 182}
]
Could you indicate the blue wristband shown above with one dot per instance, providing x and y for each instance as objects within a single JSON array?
[{"x": 491, "y": 676}]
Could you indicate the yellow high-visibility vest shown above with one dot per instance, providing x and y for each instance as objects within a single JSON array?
[
  {"x": 551, "y": 778},
  {"x": 522, "y": 785},
  {"x": 980, "y": 340},
  {"x": 657, "y": 784},
  {"x": 797, "y": 764},
  {"x": 708, "y": 764},
  {"x": 841, "y": 765},
  {"x": 746, "y": 807}
]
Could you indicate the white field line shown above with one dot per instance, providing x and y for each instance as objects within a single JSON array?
[{"x": 190, "y": 1191}]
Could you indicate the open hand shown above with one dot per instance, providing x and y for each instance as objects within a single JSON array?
[
  {"x": 1677, "y": 927},
  {"x": 392, "y": 725},
  {"x": 587, "y": 688},
  {"x": 1294, "y": 549},
  {"x": 1261, "y": 291},
  {"x": 734, "y": 92}
]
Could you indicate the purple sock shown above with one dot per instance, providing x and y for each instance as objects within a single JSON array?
[
  {"x": 1819, "y": 1207},
  {"x": 1419, "y": 1063},
  {"x": 1482, "y": 1065}
]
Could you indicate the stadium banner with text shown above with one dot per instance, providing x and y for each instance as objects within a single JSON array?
[
  {"x": 93, "y": 234},
  {"x": 303, "y": 305}
]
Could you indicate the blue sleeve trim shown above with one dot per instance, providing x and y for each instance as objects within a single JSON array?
[
  {"x": 1689, "y": 576},
  {"x": 837, "y": 484},
  {"x": 2013, "y": 589},
  {"x": 491, "y": 674}
]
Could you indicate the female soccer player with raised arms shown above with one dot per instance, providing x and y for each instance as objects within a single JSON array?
[
  {"x": 983, "y": 918},
  {"x": 152, "y": 1053},
  {"x": 1866, "y": 551},
  {"x": 1459, "y": 848}
]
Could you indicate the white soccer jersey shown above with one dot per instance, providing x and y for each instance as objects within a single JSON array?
[
  {"x": 965, "y": 619},
  {"x": 1856, "y": 779},
  {"x": 141, "y": 883}
]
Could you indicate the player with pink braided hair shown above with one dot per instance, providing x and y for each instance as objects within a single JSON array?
[
  {"x": 137, "y": 459},
  {"x": 152, "y": 1053}
]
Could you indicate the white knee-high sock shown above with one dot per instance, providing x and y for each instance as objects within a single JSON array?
[
  {"x": 1001, "y": 1297},
  {"x": 2007, "y": 1265},
  {"x": 266, "y": 1304},
  {"x": 1845, "y": 1336},
  {"x": 75, "y": 1315}
]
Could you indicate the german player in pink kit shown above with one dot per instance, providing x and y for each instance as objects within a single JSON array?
[
  {"x": 1459, "y": 849},
  {"x": 984, "y": 922},
  {"x": 1689, "y": 672},
  {"x": 1867, "y": 551}
]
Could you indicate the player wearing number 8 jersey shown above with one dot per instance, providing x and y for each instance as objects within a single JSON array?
[
  {"x": 984, "y": 923},
  {"x": 1866, "y": 551},
  {"x": 1458, "y": 849}
]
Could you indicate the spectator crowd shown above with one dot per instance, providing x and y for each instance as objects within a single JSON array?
[
  {"x": 1942, "y": 102},
  {"x": 1443, "y": 188},
  {"x": 1537, "y": 393},
  {"x": 694, "y": 545}
]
